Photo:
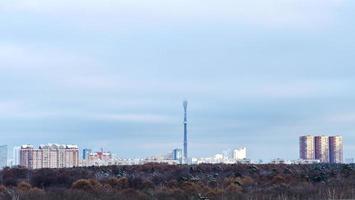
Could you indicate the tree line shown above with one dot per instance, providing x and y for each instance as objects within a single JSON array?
[{"x": 162, "y": 181}]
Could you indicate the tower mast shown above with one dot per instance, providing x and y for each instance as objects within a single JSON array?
[{"x": 185, "y": 132}]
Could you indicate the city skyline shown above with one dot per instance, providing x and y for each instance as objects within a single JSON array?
[
  {"x": 113, "y": 74},
  {"x": 312, "y": 149}
]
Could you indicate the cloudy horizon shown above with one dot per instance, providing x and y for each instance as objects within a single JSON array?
[{"x": 113, "y": 74}]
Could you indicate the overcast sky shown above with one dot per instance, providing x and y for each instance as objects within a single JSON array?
[{"x": 114, "y": 73}]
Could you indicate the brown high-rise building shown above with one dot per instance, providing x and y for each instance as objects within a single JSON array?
[
  {"x": 321, "y": 148},
  {"x": 336, "y": 149},
  {"x": 307, "y": 147},
  {"x": 49, "y": 156}
]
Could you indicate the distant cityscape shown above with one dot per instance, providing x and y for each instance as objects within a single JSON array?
[{"x": 312, "y": 149}]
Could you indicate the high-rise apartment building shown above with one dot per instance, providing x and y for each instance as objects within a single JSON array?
[
  {"x": 240, "y": 153},
  {"x": 16, "y": 156},
  {"x": 86, "y": 153},
  {"x": 49, "y": 156},
  {"x": 321, "y": 148},
  {"x": 307, "y": 147},
  {"x": 336, "y": 149},
  {"x": 3, "y": 156},
  {"x": 177, "y": 155}
]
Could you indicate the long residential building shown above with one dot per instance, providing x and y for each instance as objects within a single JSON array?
[{"x": 49, "y": 156}]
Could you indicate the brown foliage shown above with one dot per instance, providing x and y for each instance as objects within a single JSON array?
[
  {"x": 155, "y": 181},
  {"x": 83, "y": 184},
  {"x": 278, "y": 179},
  {"x": 247, "y": 181},
  {"x": 234, "y": 188},
  {"x": 118, "y": 183},
  {"x": 171, "y": 194},
  {"x": 2, "y": 188},
  {"x": 37, "y": 190},
  {"x": 24, "y": 186},
  {"x": 172, "y": 184},
  {"x": 133, "y": 194},
  {"x": 123, "y": 183}
]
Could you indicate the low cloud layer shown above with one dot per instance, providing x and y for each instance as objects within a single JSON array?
[{"x": 113, "y": 74}]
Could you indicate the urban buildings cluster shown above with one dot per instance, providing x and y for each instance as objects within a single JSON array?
[
  {"x": 313, "y": 149},
  {"x": 325, "y": 149},
  {"x": 99, "y": 158},
  {"x": 238, "y": 155}
]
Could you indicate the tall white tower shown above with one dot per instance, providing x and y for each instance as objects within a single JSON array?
[{"x": 185, "y": 132}]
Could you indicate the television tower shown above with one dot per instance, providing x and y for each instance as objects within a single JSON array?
[{"x": 185, "y": 132}]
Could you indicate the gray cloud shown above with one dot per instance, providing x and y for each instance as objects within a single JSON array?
[{"x": 113, "y": 74}]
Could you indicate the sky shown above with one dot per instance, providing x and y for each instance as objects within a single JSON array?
[{"x": 113, "y": 74}]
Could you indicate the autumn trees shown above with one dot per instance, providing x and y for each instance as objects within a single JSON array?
[{"x": 161, "y": 181}]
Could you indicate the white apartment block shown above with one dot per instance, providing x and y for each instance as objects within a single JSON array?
[{"x": 240, "y": 153}]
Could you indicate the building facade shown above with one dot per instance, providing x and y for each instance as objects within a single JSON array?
[
  {"x": 100, "y": 158},
  {"x": 307, "y": 147},
  {"x": 3, "y": 156},
  {"x": 336, "y": 149},
  {"x": 16, "y": 156},
  {"x": 49, "y": 156},
  {"x": 177, "y": 155},
  {"x": 240, "y": 153},
  {"x": 86, "y": 153},
  {"x": 321, "y": 148},
  {"x": 100, "y": 155}
]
